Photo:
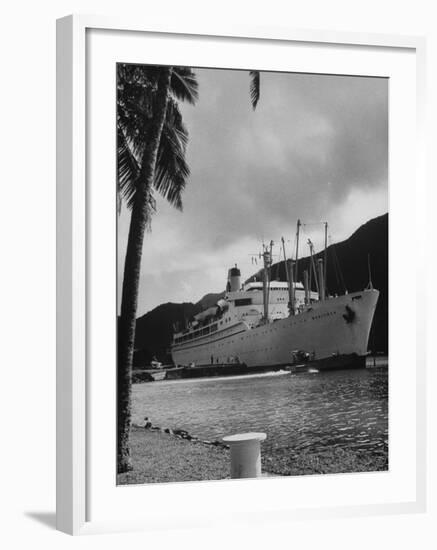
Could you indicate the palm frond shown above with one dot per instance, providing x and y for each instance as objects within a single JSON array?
[
  {"x": 136, "y": 85},
  {"x": 172, "y": 171},
  {"x": 127, "y": 169},
  {"x": 254, "y": 88},
  {"x": 139, "y": 75},
  {"x": 128, "y": 172},
  {"x": 184, "y": 85}
]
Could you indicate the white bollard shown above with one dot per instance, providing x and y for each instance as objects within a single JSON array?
[{"x": 245, "y": 454}]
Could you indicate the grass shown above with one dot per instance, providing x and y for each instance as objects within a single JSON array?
[
  {"x": 158, "y": 457},
  {"x": 330, "y": 461}
]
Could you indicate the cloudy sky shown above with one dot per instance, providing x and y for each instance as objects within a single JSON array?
[{"x": 316, "y": 148}]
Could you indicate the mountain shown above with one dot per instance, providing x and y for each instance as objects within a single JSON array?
[
  {"x": 209, "y": 300},
  {"x": 347, "y": 268},
  {"x": 155, "y": 329}
]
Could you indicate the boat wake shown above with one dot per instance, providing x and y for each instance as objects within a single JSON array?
[{"x": 222, "y": 378}]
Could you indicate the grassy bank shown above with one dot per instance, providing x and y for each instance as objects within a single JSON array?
[
  {"x": 331, "y": 461},
  {"x": 158, "y": 457}
]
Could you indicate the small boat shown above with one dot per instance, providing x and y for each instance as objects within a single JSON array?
[
  {"x": 159, "y": 375},
  {"x": 156, "y": 371}
]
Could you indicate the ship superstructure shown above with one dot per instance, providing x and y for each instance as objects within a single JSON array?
[{"x": 270, "y": 322}]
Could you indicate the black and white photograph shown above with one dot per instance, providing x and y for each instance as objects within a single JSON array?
[
  {"x": 218, "y": 275},
  {"x": 252, "y": 274}
]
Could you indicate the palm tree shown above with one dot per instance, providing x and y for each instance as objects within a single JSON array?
[{"x": 151, "y": 155}]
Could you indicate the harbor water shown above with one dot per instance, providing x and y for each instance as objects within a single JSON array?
[{"x": 310, "y": 413}]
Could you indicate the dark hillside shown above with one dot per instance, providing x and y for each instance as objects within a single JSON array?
[{"x": 155, "y": 328}]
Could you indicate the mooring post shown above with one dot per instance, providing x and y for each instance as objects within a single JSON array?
[{"x": 245, "y": 454}]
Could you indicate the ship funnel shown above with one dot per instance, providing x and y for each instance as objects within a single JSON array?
[
  {"x": 234, "y": 276},
  {"x": 321, "y": 280}
]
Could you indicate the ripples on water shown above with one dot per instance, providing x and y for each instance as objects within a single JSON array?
[{"x": 304, "y": 412}]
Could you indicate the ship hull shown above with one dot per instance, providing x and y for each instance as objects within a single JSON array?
[{"x": 330, "y": 332}]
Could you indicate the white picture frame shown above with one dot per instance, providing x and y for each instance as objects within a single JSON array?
[{"x": 74, "y": 396}]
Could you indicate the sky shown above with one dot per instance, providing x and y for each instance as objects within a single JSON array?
[{"x": 315, "y": 148}]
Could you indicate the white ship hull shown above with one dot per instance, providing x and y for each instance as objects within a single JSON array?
[{"x": 327, "y": 330}]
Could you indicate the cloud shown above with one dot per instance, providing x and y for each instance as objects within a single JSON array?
[{"x": 316, "y": 148}]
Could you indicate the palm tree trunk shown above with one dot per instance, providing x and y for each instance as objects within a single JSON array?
[{"x": 131, "y": 277}]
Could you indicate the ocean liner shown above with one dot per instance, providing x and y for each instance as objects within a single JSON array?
[{"x": 272, "y": 323}]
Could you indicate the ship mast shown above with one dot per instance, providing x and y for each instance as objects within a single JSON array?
[
  {"x": 269, "y": 274},
  {"x": 310, "y": 274},
  {"x": 312, "y": 266},
  {"x": 306, "y": 287},
  {"x": 321, "y": 280},
  {"x": 267, "y": 257},
  {"x": 289, "y": 274},
  {"x": 325, "y": 256},
  {"x": 296, "y": 273}
]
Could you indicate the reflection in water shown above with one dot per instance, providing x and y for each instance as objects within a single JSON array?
[{"x": 305, "y": 412}]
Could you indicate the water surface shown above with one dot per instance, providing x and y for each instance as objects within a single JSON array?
[{"x": 304, "y": 412}]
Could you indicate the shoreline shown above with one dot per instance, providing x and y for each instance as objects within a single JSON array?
[
  {"x": 163, "y": 455},
  {"x": 140, "y": 376}
]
